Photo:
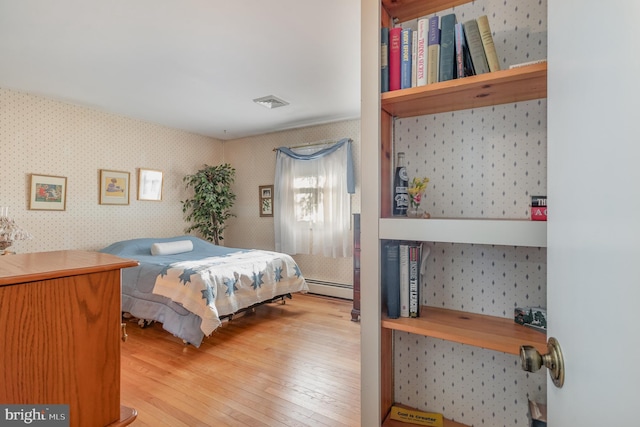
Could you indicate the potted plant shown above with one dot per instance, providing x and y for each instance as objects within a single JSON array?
[{"x": 208, "y": 209}]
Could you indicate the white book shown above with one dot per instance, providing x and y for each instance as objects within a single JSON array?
[{"x": 421, "y": 51}]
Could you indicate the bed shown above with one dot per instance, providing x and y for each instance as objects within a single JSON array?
[{"x": 190, "y": 285}]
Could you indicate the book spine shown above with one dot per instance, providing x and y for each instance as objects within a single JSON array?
[
  {"x": 414, "y": 58},
  {"x": 394, "y": 58},
  {"x": 538, "y": 200},
  {"x": 459, "y": 34},
  {"x": 384, "y": 59},
  {"x": 391, "y": 265},
  {"x": 414, "y": 280},
  {"x": 525, "y": 64},
  {"x": 447, "y": 48},
  {"x": 488, "y": 44},
  {"x": 433, "y": 49},
  {"x": 404, "y": 280},
  {"x": 421, "y": 66},
  {"x": 405, "y": 60},
  {"x": 474, "y": 43}
]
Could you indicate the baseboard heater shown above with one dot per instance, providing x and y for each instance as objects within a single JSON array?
[{"x": 332, "y": 289}]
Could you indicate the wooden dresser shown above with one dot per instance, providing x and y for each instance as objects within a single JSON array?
[{"x": 60, "y": 328}]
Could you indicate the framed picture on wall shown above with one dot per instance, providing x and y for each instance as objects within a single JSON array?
[
  {"x": 114, "y": 187},
  {"x": 266, "y": 200},
  {"x": 48, "y": 193},
  {"x": 149, "y": 184}
]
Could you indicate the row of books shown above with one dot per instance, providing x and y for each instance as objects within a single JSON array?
[
  {"x": 440, "y": 49},
  {"x": 401, "y": 277}
]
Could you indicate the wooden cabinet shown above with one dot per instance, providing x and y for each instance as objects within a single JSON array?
[
  {"x": 60, "y": 325},
  {"x": 500, "y": 87}
]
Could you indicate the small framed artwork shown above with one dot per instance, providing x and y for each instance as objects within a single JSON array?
[
  {"x": 114, "y": 187},
  {"x": 48, "y": 193},
  {"x": 266, "y": 200},
  {"x": 149, "y": 184}
]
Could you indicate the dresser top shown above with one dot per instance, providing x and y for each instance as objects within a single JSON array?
[{"x": 36, "y": 266}]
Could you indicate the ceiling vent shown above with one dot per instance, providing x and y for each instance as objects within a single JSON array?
[{"x": 270, "y": 102}]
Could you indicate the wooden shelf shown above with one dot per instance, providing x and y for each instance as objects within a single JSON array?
[
  {"x": 499, "y": 87},
  {"x": 490, "y": 332},
  {"x": 404, "y": 10},
  {"x": 510, "y": 232}
]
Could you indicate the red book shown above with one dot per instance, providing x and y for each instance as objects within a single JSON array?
[
  {"x": 394, "y": 57},
  {"x": 538, "y": 213}
]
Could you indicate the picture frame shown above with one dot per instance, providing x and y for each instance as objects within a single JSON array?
[
  {"x": 48, "y": 192},
  {"x": 114, "y": 187},
  {"x": 150, "y": 183},
  {"x": 266, "y": 200}
]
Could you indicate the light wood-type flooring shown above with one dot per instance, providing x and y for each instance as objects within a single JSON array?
[{"x": 296, "y": 364}]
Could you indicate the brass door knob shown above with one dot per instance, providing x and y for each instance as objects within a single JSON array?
[{"x": 532, "y": 360}]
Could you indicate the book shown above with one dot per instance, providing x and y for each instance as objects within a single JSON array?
[
  {"x": 414, "y": 56},
  {"x": 391, "y": 275},
  {"x": 405, "y": 59},
  {"x": 403, "y": 276},
  {"x": 414, "y": 279},
  {"x": 474, "y": 44},
  {"x": 524, "y": 64},
  {"x": 394, "y": 58},
  {"x": 464, "y": 67},
  {"x": 433, "y": 50},
  {"x": 488, "y": 44},
  {"x": 421, "y": 57},
  {"x": 447, "y": 48},
  {"x": 384, "y": 59},
  {"x": 413, "y": 416},
  {"x": 538, "y": 200}
]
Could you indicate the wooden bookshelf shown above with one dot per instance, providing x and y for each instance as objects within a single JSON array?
[
  {"x": 499, "y": 87},
  {"x": 404, "y": 10},
  {"x": 490, "y": 332}
]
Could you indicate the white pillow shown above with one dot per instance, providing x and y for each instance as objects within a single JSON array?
[{"x": 172, "y": 248}]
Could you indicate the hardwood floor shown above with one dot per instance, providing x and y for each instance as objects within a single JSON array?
[{"x": 296, "y": 364}]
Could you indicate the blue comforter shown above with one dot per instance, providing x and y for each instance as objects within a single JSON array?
[{"x": 189, "y": 292}]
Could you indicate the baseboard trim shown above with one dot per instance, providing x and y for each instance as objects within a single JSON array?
[{"x": 330, "y": 291}]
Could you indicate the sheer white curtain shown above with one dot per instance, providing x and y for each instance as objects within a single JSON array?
[{"x": 311, "y": 200}]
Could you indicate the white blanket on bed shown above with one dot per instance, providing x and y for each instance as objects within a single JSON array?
[{"x": 218, "y": 286}]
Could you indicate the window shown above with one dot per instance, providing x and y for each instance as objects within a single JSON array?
[{"x": 312, "y": 194}]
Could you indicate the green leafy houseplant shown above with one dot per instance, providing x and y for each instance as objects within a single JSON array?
[{"x": 208, "y": 209}]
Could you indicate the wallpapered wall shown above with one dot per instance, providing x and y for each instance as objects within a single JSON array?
[
  {"x": 255, "y": 163},
  {"x": 46, "y": 137},
  {"x": 483, "y": 163}
]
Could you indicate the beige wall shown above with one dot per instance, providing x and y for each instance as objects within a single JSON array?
[
  {"x": 255, "y": 160},
  {"x": 41, "y": 136}
]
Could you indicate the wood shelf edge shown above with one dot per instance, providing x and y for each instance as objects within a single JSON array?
[
  {"x": 478, "y": 330},
  {"x": 404, "y": 10},
  {"x": 499, "y": 87}
]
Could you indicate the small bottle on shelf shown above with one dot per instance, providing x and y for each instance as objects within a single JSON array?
[{"x": 400, "y": 184}]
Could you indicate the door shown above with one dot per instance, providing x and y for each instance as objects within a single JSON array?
[{"x": 594, "y": 210}]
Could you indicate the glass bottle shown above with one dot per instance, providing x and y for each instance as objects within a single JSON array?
[{"x": 400, "y": 184}]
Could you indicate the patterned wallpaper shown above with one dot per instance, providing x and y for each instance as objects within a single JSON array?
[
  {"x": 482, "y": 163},
  {"x": 46, "y": 137},
  {"x": 255, "y": 162}
]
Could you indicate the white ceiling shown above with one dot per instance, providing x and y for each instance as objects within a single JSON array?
[{"x": 189, "y": 64}]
